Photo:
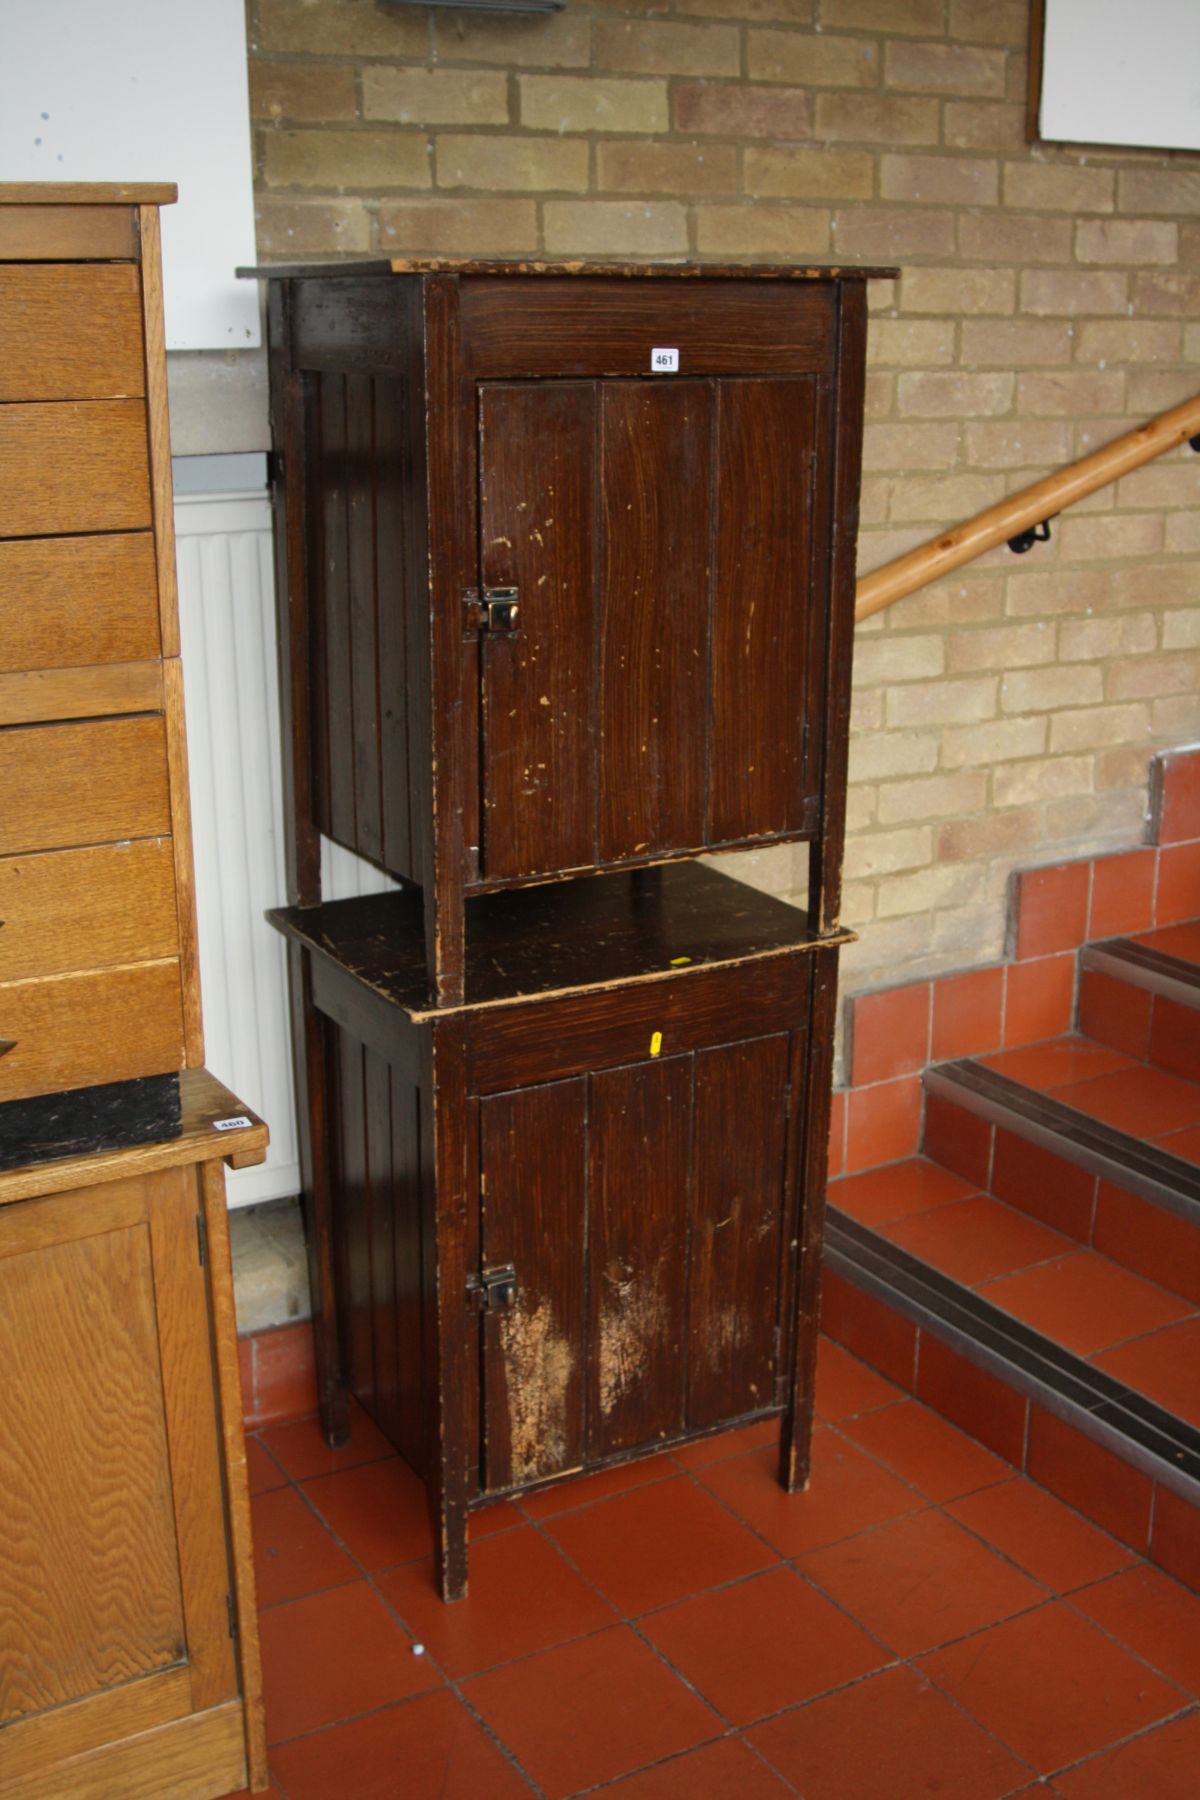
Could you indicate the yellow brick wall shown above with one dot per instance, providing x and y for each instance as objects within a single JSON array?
[{"x": 1050, "y": 298}]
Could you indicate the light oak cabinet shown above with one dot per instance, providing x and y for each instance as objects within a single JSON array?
[{"x": 129, "y": 1651}]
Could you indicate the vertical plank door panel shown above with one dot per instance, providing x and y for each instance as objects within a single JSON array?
[
  {"x": 639, "y": 1141},
  {"x": 652, "y": 614},
  {"x": 537, "y": 463},
  {"x": 738, "y": 1189},
  {"x": 533, "y": 1165},
  {"x": 333, "y": 728},
  {"x": 355, "y": 1219},
  {"x": 361, "y": 731},
  {"x": 760, "y": 609},
  {"x": 382, "y": 1225},
  {"x": 407, "y": 1425}
]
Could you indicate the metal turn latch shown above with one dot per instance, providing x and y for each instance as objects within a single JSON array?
[
  {"x": 496, "y": 611},
  {"x": 494, "y": 1290}
]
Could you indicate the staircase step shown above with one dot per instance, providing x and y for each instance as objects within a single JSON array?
[
  {"x": 914, "y": 1285},
  {"x": 1141, "y": 994},
  {"x": 1070, "y": 1129}
]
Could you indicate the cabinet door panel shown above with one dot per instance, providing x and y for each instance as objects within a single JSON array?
[
  {"x": 761, "y": 603},
  {"x": 655, "y": 445},
  {"x": 532, "y": 1157},
  {"x": 737, "y": 1212},
  {"x": 537, "y": 452},
  {"x": 639, "y": 1142},
  {"x": 90, "y": 1560}
]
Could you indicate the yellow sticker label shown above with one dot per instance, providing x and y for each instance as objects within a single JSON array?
[
  {"x": 677, "y": 962},
  {"x": 656, "y": 1043}
]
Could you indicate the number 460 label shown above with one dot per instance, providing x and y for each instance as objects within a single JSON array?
[{"x": 664, "y": 362}]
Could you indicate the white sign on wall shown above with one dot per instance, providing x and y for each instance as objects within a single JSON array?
[
  {"x": 145, "y": 90},
  {"x": 1118, "y": 73}
]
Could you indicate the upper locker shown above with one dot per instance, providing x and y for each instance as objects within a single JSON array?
[{"x": 570, "y": 563}]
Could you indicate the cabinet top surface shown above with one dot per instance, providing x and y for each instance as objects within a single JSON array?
[
  {"x": 87, "y": 193},
  {"x": 215, "y": 1125},
  {"x": 525, "y": 944},
  {"x": 681, "y": 271}
]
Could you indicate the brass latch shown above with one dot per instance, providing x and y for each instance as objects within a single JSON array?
[
  {"x": 494, "y": 1290},
  {"x": 496, "y": 611}
]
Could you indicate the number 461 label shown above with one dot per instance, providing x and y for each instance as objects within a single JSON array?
[{"x": 664, "y": 362}]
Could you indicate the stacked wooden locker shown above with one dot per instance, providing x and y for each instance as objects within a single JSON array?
[
  {"x": 566, "y": 576},
  {"x": 129, "y": 1645}
]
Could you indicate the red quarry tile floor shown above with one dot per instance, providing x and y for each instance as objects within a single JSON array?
[{"x": 922, "y": 1621}]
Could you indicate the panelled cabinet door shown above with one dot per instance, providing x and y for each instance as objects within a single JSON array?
[
  {"x": 114, "y": 1560},
  {"x": 649, "y": 696},
  {"x": 641, "y": 1211}
]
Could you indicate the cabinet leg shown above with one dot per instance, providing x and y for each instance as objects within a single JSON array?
[{"x": 795, "y": 1440}]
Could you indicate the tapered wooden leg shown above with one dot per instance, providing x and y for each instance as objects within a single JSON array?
[
  {"x": 309, "y": 1063},
  {"x": 795, "y": 1442}
]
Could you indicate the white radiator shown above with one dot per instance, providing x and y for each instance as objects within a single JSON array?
[{"x": 227, "y": 628}]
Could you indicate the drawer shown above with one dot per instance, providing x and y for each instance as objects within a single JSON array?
[
  {"x": 81, "y": 1030},
  {"x": 546, "y": 1040},
  {"x": 68, "y": 602},
  {"x": 71, "y": 910},
  {"x": 70, "y": 331},
  {"x": 74, "y": 466},
  {"x": 91, "y": 783},
  {"x": 50, "y": 233}
]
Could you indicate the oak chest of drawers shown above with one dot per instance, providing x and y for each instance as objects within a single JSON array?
[{"x": 98, "y": 948}]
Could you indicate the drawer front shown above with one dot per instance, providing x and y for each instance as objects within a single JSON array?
[
  {"x": 68, "y": 602},
  {"x": 74, "y": 466},
  {"x": 81, "y": 1030},
  {"x": 70, "y": 331},
  {"x": 512, "y": 1046},
  {"x": 87, "y": 909},
  {"x": 611, "y": 327},
  {"x": 51, "y": 233},
  {"x": 92, "y": 783}
]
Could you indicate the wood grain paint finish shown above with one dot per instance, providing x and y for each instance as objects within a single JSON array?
[
  {"x": 590, "y": 326},
  {"x": 537, "y": 465},
  {"x": 652, "y": 615},
  {"x": 638, "y": 1179},
  {"x": 70, "y": 333},
  {"x": 74, "y": 601},
  {"x": 66, "y": 785},
  {"x": 92, "y": 1590},
  {"x": 533, "y": 1216},
  {"x": 737, "y": 1212},
  {"x": 74, "y": 466},
  {"x": 762, "y": 595}
]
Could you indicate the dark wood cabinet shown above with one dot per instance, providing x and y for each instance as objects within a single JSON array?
[
  {"x": 551, "y": 609},
  {"x": 576, "y": 1218},
  {"x": 566, "y": 563}
]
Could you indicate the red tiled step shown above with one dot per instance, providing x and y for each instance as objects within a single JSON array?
[
  {"x": 1055, "y": 1357},
  {"x": 1087, "y": 1142},
  {"x": 1141, "y": 995}
]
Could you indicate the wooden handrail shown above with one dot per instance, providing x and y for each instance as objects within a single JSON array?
[{"x": 1030, "y": 507}]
